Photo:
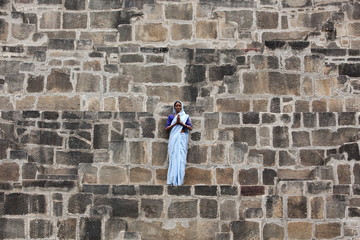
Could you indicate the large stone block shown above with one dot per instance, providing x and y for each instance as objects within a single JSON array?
[
  {"x": 336, "y": 205},
  {"x": 159, "y": 153},
  {"x": 9, "y": 172},
  {"x": 297, "y": 207},
  {"x": 113, "y": 175},
  {"x": 328, "y": 230},
  {"x": 183, "y": 209},
  {"x": 74, "y": 4},
  {"x": 151, "y": 32},
  {"x": 312, "y": 157},
  {"x": 280, "y": 137},
  {"x": 90, "y": 228},
  {"x": 237, "y": 152},
  {"x": 104, "y": 5},
  {"x": 154, "y": 74},
  {"x": 206, "y": 29},
  {"x": 59, "y": 81},
  {"x": 232, "y": 105},
  {"x": 224, "y": 176},
  {"x": 248, "y": 176},
  {"x": 195, "y": 73},
  {"x": 74, "y": 20},
  {"x": 50, "y": 20},
  {"x": 228, "y": 210},
  {"x": 181, "y": 31},
  {"x": 197, "y": 154},
  {"x": 140, "y": 175},
  {"x": 78, "y": 203},
  {"x": 21, "y": 204},
  {"x": 153, "y": 208},
  {"x": 317, "y": 208},
  {"x": 245, "y": 230},
  {"x": 296, "y": 4},
  {"x": 11, "y": 228},
  {"x": 120, "y": 207},
  {"x": 41, "y": 228},
  {"x": 274, "y": 206},
  {"x": 42, "y": 137},
  {"x": 267, "y": 20},
  {"x": 87, "y": 82},
  {"x": 15, "y": 82},
  {"x": 208, "y": 208},
  {"x": 300, "y": 230},
  {"x": 4, "y": 30},
  {"x": 179, "y": 11},
  {"x": 67, "y": 228},
  {"x": 244, "y": 18},
  {"x": 35, "y": 84},
  {"x": 138, "y": 152},
  {"x": 273, "y": 231},
  {"x": 73, "y": 158},
  {"x": 197, "y": 176},
  {"x": 22, "y": 31}
]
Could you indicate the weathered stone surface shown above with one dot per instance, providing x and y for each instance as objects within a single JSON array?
[
  {"x": 312, "y": 157},
  {"x": 153, "y": 208},
  {"x": 181, "y": 31},
  {"x": 59, "y": 81},
  {"x": 4, "y": 27},
  {"x": 179, "y": 11},
  {"x": 274, "y": 206},
  {"x": 120, "y": 207},
  {"x": 335, "y": 206},
  {"x": 267, "y": 20},
  {"x": 273, "y": 231},
  {"x": 21, "y": 204},
  {"x": 9, "y": 172},
  {"x": 22, "y": 31},
  {"x": 40, "y": 228},
  {"x": 197, "y": 176},
  {"x": 297, "y": 207},
  {"x": 87, "y": 82},
  {"x": 113, "y": 175},
  {"x": 228, "y": 210},
  {"x": 90, "y": 228},
  {"x": 327, "y": 230},
  {"x": 14, "y": 82},
  {"x": 317, "y": 208},
  {"x": 159, "y": 153},
  {"x": 208, "y": 208},
  {"x": 151, "y": 32},
  {"x": 206, "y": 29},
  {"x": 280, "y": 137},
  {"x": 182, "y": 209},
  {"x": 248, "y": 176},
  {"x": 50, "y": 20},
  {"x": 139, "y": 174},
  {"x": 12, "y": 228},
  {"x": 300, "y": 230},
  {"x": 245, "y": 230},
  {"x": 73, "y": 158},
  {"x": 74, "y": 20},
  {"x": 224, "y": 176}
]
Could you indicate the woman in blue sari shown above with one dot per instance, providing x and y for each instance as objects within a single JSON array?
[{"x": 179, "y": 125}]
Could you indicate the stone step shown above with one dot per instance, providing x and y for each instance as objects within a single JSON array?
[{"x": 49, "y": 185}]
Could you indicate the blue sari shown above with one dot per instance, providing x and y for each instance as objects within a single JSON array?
[{"x": 177, "y": 150}]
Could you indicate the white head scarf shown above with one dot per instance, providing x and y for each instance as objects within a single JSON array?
[{"x": 182, "y": 112}]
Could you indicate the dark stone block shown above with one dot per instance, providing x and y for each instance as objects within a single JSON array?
[
  {"x": 49, "y": 1},
  {"x": 217, "y": 73},
  {"x": 35, "y": 84},
  {"x": 268, "y": 176},
  {"x": 248, "y": 176},
  {"x": 206, "y": 190},
  {"x": 31, "y": 114},
  {"x": 230, "y": 118},
  {"x": 112, "y": 68},
  {"x": 318, "y": 187},
  {"x": 183, "y": 209},
  {"x": 195, "y": 73},
  {"x": 354, "y": 212},
  {"x": 40, "y": 228},
  {"x": 13, "y": 49},
  {"x": 21, "y": 204},
  {"x": 104, "y": 115},
  {"x": 274, "y": 44},
  {"x": 148, "y": 126},
  {"x": 329, "y": 52},
  {"x": 102, "y": 5},
  {"x": 241, "y": 60},
  {"x": 50, "y": 115},
  {"x": 78, "y": 203},
  {"x": 61, "y": 185},
  {"x": 57, "y": 209},
  {"x": 336, "y": 206},
  {"x": 297, "y": 207},
  {"x": 101, "y": 136},
  {"x": 120, "y": 207},
  {"x": 299, "y": 45},
  {"x": 29, "y": 170},
  {"x": 114, "y": 226},
  {"x": 18, "y": 154},
  {"x": 51, "y": 125},
  {"x": 229, "y": 3},
  {"x": 67, "y": 228},
  {"x": 251, "y": 118},
  {"x": 309, "y": 120},
  {"x": 41, "y": 155},
  {"x": 296, "y": 120},
  {"x": 301, "y": 139},
  {"x": 208, "y": 208},
  {"x": 96, "y": 189},
  {"x": 341, "y": 189},
  {"x": 275, "y": 105},
  {"x": 346, "y": 118},
  {"x": 124, "y": 190},
  {"x": 90, "y": 229},
  {"x": 285, "y": 118},
  {"x": 74, "y": 4},
  {"x": 71, "y": 115},
  {"x": 151, "y": 190},
  {"x": 96, "y": 55},
  {"x": 61, "y": 44},
  {"x": 327, "y": 119},
  {"x": 274, "y": 206},
  {"x": 352, "y": 150},
  {"x": 132, "y": 58},
  {"x": 267, "y": 155},
  {"x": 280, "y": 137},
  {"x": 179, "y": 190},
  {"x": 252, "y": 190},
  {"x": 6, "y": 186},
  {"x": 268, "y": 118},
  {"x": 312, "y": 157},
  {"x": 74, "y": 158},
  {"x": 245, "y": 230},
  {"x": 153, "y": 208},
  {"x": 349, "y": 69},
  {"x": 12, "y": 228},
  {"x": 229, "y": 190},
  {"x": 76, "y": 143}
]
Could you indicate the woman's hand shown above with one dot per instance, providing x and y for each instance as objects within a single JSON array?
[{"x": 178, "y": 119}]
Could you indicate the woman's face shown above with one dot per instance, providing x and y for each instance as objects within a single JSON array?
[{"x": 178, "y": 107}]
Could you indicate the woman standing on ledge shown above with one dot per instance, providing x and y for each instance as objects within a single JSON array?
[{"x": 179, "y": 123}]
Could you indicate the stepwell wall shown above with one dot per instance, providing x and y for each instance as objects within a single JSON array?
[{"x": 272, "y": 88}]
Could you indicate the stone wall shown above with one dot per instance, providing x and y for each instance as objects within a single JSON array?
[{"x": 272, "y": 88}]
